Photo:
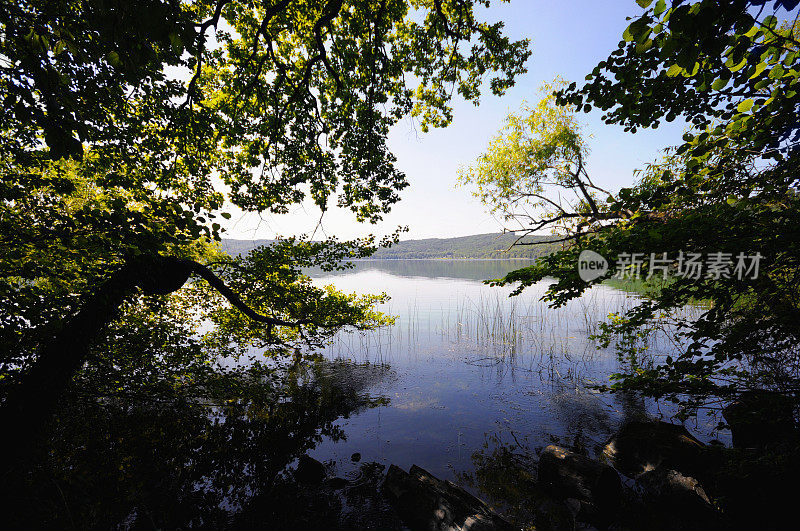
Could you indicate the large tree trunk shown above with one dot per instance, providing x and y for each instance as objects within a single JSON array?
[
  {"x": 31, "y": 401},
  {"x": 34, "y": 398}
]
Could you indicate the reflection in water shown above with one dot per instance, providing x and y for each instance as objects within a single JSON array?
[
  {"x": 179, "y": 464},
  {"x": 470, "y": 361},
  {"x": 504, "y": 475},
  {"x": 456, "y": 269},
  {"x": 463, "y": 360}
]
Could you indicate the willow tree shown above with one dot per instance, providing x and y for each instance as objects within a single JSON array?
[
  {"x": 129, "y": 128},
  {"x": 727, "y": 196}
]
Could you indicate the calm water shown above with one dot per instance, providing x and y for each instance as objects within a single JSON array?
[
  {"x": 468, "y": 384},
  {"x": 467, "y": 365}
]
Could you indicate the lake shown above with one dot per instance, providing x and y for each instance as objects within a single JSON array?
[
  {"x": 466, "y": 369},
  {"x": 468, "y": 384}
]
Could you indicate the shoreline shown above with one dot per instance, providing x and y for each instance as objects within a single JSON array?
[{"x": 439, "y": 259}]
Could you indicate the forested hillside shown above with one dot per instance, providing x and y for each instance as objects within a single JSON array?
[{"x": 477, "y": 246}]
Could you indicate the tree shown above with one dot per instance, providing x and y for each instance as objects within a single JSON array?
[
  {"x": 533, "y": 173},
  {"x": 109, "y": 159},
  {"x": 731, "y": 70}
]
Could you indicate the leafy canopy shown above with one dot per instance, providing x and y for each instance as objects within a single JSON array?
[
  {"x": 130, "y": 126},
  {"x": 539, "y": 151}
]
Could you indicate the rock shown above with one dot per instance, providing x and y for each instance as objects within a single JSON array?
[
  {"x": 574, "y": 506},
  {"x": 642, "y": 446},
  {"x": 680, "y": 501},
  {"x": 760, "y": 418},
  {"x": 595, "y": 487},
  {"x": 427, "y": 503},
  {"x": 552, "y": 515},
  {"x": 309, "y": 470},
  {"x": 663, "y": 483}
]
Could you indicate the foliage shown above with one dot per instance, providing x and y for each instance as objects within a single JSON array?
[
  {"x": 535, "y": 149},
  {"x": 219, "y": 462},
  {"x": 283, "y": 290},
  {"x": 62, "y": 235},
  {"x": 731, "y": 71},
  {"x": 533, "y": 172},
  {"x": 130, "y": 126}
]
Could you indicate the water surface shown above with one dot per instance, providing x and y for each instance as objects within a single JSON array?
[
  {"x": 467, "y": 384},
  {"x": 470, "y": 367}
]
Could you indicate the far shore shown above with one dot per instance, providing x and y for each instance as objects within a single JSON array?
[{"x": 443, "y": 258}]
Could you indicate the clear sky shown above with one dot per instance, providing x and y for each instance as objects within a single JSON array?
[{"x": 568, "y": 39}]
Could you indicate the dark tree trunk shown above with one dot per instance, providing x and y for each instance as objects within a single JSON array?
[
  {"x": 34, "y": 398},
  {"x": 30, "y": 402}
]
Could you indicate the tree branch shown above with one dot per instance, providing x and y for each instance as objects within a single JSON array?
[
  {"x": 582, "y": 187},
  {"x": 31, "y": 401}
]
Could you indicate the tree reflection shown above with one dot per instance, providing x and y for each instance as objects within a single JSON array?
[
  {"x": 505, "y": 476},
  {"x": 179, "y": 463}
]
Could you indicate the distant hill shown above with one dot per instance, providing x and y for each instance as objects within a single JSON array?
[
  {"x": 237, "y": 247},
  {"x": 493, "y": 245},
  {"x": 477, "y": 246}
]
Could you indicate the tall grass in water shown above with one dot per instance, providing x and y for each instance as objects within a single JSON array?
[{"x": 511, "y": 334}]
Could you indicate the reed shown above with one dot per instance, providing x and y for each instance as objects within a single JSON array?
[{"x": 508, "y": 335}]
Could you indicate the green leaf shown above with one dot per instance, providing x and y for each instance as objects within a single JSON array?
[
  {"x": 777, "y": 72},
  {"x": 719, "y": 84},
  {"x": 737, "y": 67},
  {"x": 225, "y": 215},
  {"x": 644, "y": 46},
  {"x": 644, "y": 3},
  {"x": 661, "y": 6},
  {"x": 745, "y": 105},
  {"x": 627, "y": 35},
  {"x": 763, "y": 83},
  {"x": 113, "y": 59},
  {"x": 752, "y": 32},
  {"x": 693, "y": 72},
  {"x": 674, "y": 70},
  {"x": 175, "y": 41},
  {"x": 760, "y": 67}
]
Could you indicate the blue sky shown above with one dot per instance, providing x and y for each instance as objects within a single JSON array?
[{"x": 568, "y": 39}]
